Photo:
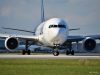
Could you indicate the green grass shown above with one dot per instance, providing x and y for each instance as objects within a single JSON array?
[{"x": 49, "y": 67}]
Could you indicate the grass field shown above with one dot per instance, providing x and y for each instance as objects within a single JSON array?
[{"x": 49, "y": 67}]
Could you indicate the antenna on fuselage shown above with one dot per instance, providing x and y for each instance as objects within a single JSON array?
[{"x": 42, "y": 11}]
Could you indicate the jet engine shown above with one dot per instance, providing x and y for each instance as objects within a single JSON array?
[
  {"x": 89, "y": 44},
  {"x": 11, "y": 43}
]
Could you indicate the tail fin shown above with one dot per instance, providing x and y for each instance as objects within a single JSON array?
[{"x": 42, "y": 11}]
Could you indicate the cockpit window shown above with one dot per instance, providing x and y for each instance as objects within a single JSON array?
[
  {"x": 50, "y": 26},
  {"x": 61, "y": 26},
  {"x": 57, "y": 26}
]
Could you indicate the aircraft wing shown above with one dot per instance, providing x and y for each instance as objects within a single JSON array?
[
  {"x": 26, "y": 37},
  {"x": 18, "y": 30},
  {"x": 3, "y": 36},
  {"x": 75, "y": 38},
  {"x": 12, "y": 40},
  {"x": 80, "y": 38},
  {"x": 94, "y": 36}
]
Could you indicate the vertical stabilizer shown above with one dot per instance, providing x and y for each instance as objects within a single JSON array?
[{"x": 42, "y": 11}]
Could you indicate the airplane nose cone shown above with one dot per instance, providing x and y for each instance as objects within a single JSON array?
[
  {"x": 59, "y": 36},
  {"x": 56, "y": 32}
]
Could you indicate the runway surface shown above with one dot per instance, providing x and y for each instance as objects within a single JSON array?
[{"x": 47, "y": 57}]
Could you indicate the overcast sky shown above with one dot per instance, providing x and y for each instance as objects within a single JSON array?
[{"x": 25, "y": 14}]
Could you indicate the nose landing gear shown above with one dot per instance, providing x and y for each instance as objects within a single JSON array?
[{"x": 55, "y": 51}]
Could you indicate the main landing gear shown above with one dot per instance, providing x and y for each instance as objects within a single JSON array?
[
  {"x": 26, "y": 51},
  {"x": 69, "y": 51},
  {"x": 26, "y": 48}
]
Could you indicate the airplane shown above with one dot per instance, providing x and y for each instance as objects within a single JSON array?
[{"x": 53, "y": 33}]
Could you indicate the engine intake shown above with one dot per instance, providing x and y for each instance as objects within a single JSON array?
[
  {"x": 89, "y": 44},
  {"x": 11, "y": 43}
]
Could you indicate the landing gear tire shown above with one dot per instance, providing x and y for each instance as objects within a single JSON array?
[
  {"x": 28, "y": 52},
  {"x": 67, "y": 52},
  {"x": 72, "y": 52},
  {"x": 56, "y": 53},
  {"x": 23, "y": 52}
]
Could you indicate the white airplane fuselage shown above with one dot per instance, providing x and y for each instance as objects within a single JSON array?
[{"x": 52, "y": 32}]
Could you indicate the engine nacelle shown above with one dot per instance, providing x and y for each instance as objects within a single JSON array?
[
  {"x": 11, "y": 43},
  {"x": 89, "y": 44}
]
